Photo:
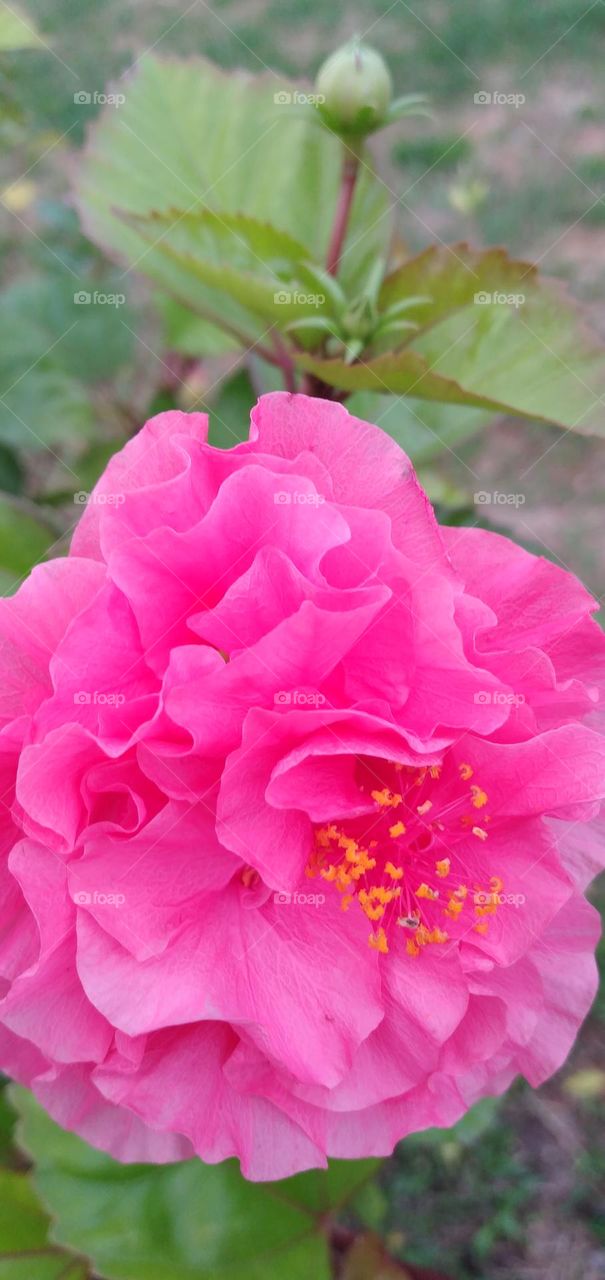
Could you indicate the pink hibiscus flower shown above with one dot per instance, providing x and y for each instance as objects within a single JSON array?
[{"x": 298, "y": 803}]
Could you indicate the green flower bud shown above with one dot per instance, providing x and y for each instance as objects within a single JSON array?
[{"x": 354, "y": 88}]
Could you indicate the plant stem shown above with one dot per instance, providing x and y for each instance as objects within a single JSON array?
[
  {"x": 283, "y": 359},
  {"x": 350, "y": 170}
]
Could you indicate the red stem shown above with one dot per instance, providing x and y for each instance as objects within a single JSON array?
[
  {"x": 284, "y": 362},
  {"x": 350, "y": 169}
]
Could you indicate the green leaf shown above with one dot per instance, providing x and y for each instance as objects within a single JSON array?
[
  {"x": 449, "y": 278},
  {"x": 25, "y": 1250},
  {"x": 190, "y": 134},
  {"x": 17, "y": 30},
  {"x": 230, "y": 268},
  {"x": 411, "y": 104},
  {"x": 185, "y": 1221},
  {"x": 12, "y": 475},
  {"x": 24, "y": 541},
  {"x": 422, "y": 428},
  {"x": 403, "y": 373},
  {"x": 522, "y": 352},
  {"x": 189, "y": 334},
  {"x": 230, "y": 412},
  {"x": 53, "y": 351},
  {"x": 41, "y": 321},
  {"x": 44, "y": 407},
  {"x": 7, "y": 1125}
]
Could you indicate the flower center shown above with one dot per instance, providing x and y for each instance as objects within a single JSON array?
[{"x": 403, "y": 862}]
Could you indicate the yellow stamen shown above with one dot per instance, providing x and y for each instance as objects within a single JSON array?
[
  {"x": 479, "y": 797},
  {"x": 453, "y": 909},
  {"x": 395, "y": 873},
  {"x": 378, "y": 941},
  {"x": 465, "y": 771},
  {"x": 423, "y": 891},
  {"x": 424, "y": 808},
  {"x": 387, "y": 799},
  {"x": 443, "y": 867},
  {"x": 480, "y": 833},
  {"x": 397, "y": 830},
  {"x": 328, "y": 873},
  {"x": 380, "y": 894}
]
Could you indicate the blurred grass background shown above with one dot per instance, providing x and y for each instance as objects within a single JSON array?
[{"x": 519, "y": 1192}]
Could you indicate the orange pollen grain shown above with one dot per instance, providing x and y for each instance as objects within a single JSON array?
[
  {"x": 398, "y": 829},
  {"x": 395, "y": 873},
  {"x": 479, "y": 797}
]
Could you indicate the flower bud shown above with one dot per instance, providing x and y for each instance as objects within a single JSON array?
[{"x": 355, "y": 89}]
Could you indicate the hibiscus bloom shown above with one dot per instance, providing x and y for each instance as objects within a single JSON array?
[{"x": 299, "y": 794}]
